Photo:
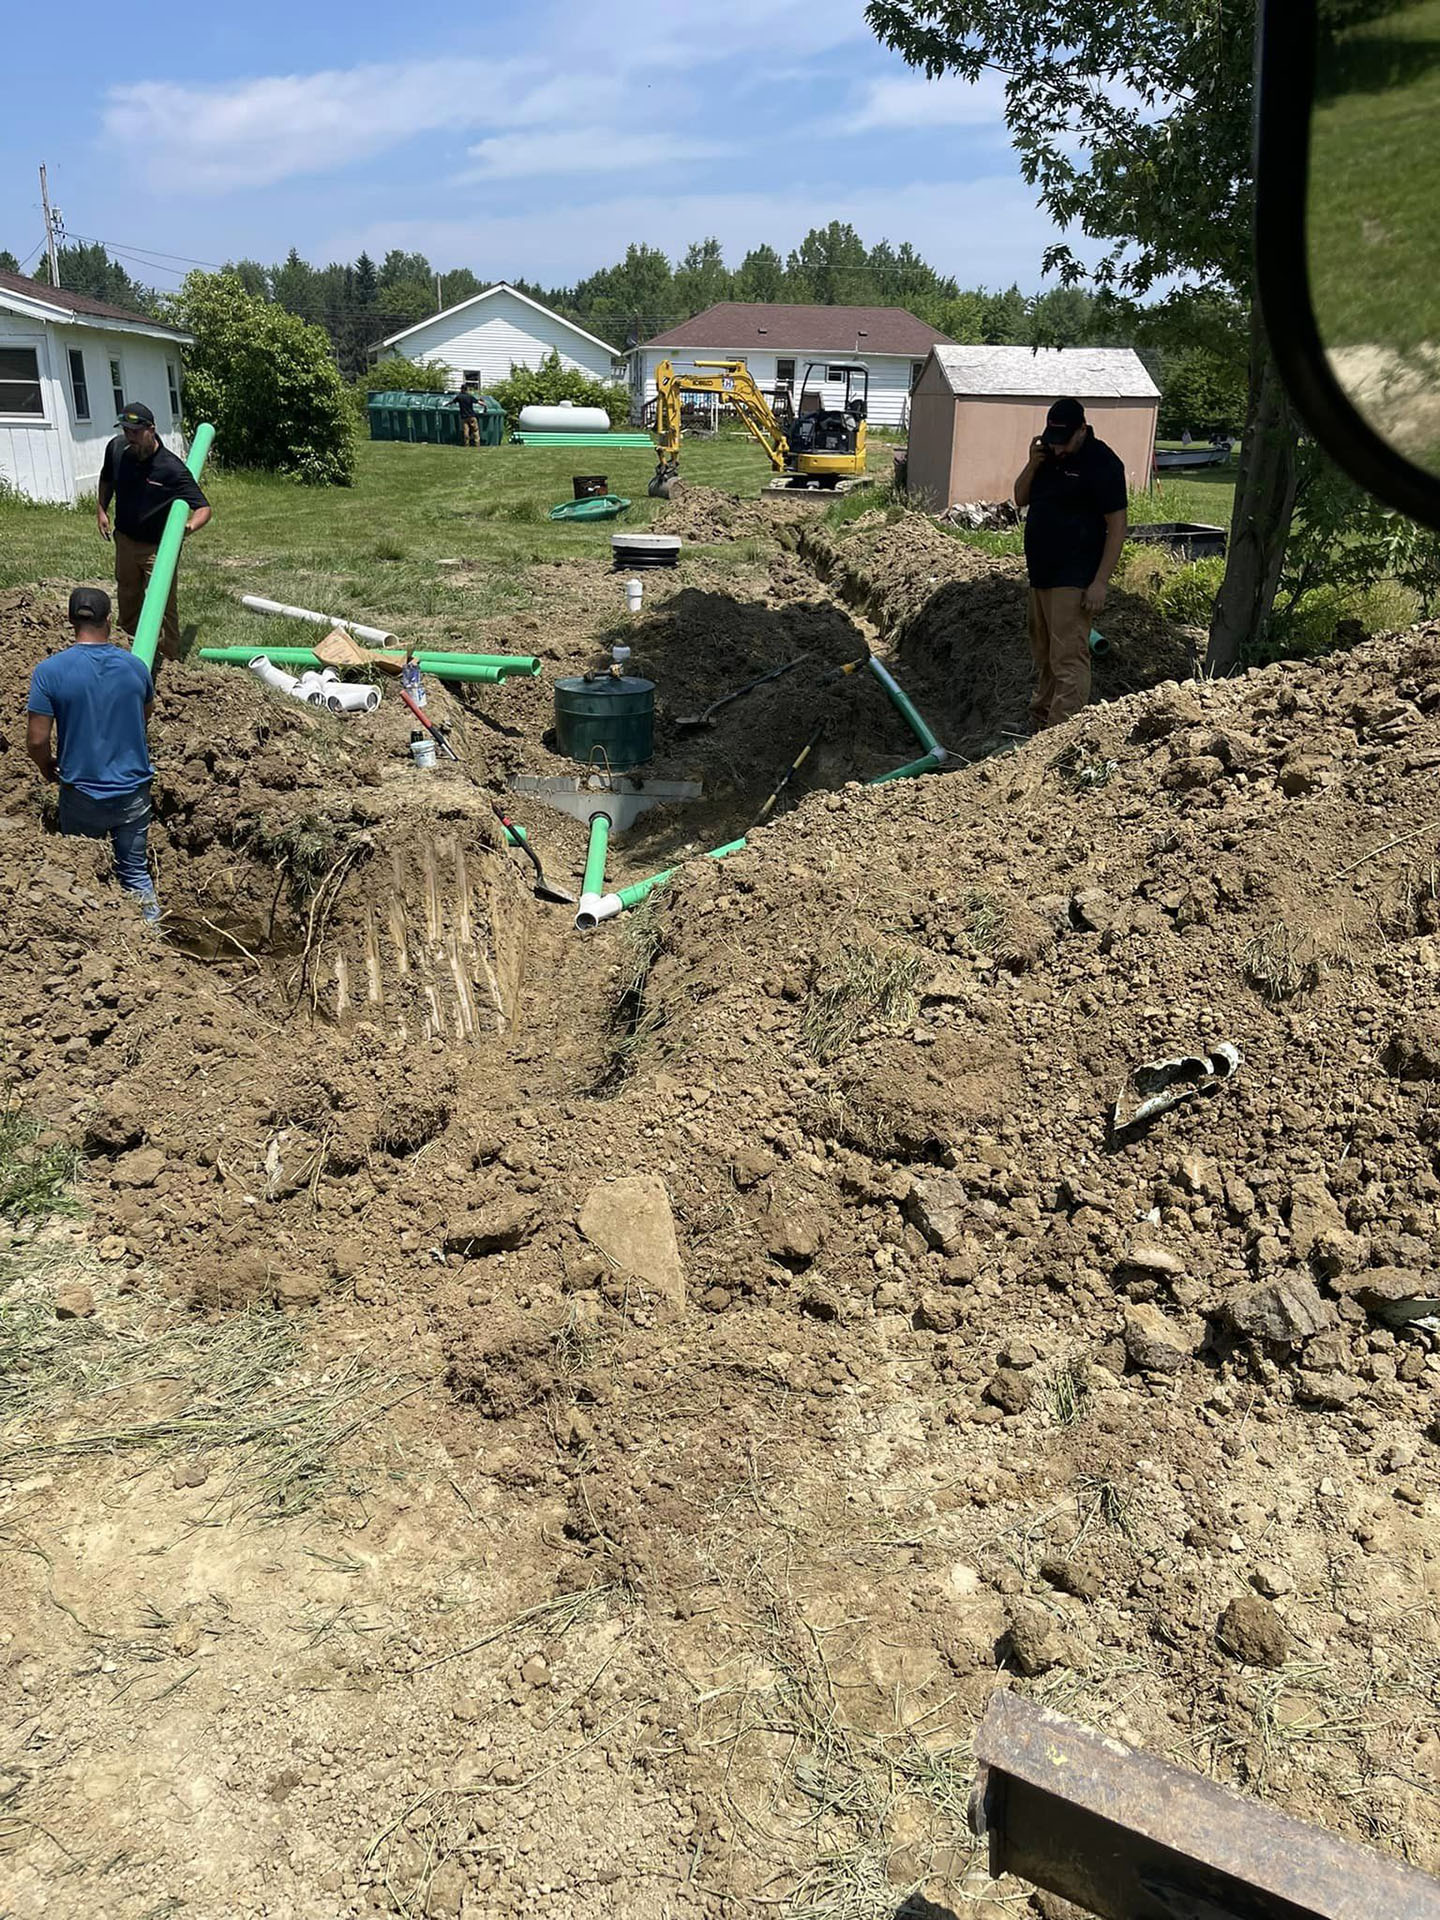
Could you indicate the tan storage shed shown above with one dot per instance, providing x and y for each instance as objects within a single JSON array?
[{"x": 975, "y": 410}]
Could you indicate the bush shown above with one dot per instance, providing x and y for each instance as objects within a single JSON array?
[
  {"x": 550, "y": 383},
  {"x": 266, "y": 380},
  {"x": 396, "y": 374}
]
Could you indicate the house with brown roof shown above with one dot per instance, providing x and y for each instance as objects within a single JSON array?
[
  {"x": 67, "y": 365},
  {"x": 780, "y": 344}
]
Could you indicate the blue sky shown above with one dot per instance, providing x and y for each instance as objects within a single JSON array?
[{"x": 516, "y": 139}]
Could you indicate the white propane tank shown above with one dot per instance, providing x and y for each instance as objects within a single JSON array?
[{"x": 564, "y": 418}]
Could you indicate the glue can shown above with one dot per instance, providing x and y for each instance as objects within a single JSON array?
[{"x": 422, "y": 750}]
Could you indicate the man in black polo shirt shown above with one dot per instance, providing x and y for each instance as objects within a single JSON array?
[
  {"x": 143, "y": 477},
  {"x": 469, "y": 415},
  {"x": 1074, "y": 487}
]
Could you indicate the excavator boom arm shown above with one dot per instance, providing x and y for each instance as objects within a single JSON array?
[{"x": 735, "y": 385}]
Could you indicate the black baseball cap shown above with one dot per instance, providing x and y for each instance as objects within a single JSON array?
[
  {"x": 1062, "y": 421},
  {"x": 135, "y": 413},
  {"x": 89, "y": 607}
]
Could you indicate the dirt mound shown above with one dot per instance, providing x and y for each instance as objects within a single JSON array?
[
  {"x": 683, "y": 1373},
  {"x": 707, "y": 517}
]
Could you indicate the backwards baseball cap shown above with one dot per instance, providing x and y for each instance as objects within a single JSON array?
[
  {"x": 89, "y": 607},
  {"x": 135, "y": 413},
  {"x": 1063, "y": 420}
]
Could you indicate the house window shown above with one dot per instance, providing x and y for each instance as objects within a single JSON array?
[
  {"x": 20, "y": 382},
  {"x": 172, "y": 374},
  {"x": 784, "y": 373},
  {"x": 836, "y": 374},
  {"x": 79, "y": 391},
  {"x": 917, "y": 367},
  {"x": 117, "y": 385},
  {"x": 471, "y": 376}
]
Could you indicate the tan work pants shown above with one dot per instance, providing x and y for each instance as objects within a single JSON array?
[
  {"x": 470, "y": 431},
  {"x": 134, "y": 563},
  {"x": 1060, "y": 648}
]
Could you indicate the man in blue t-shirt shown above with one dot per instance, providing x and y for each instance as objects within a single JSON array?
[{"x": 95, "y": 698}]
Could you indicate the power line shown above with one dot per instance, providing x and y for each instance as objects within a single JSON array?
[{"x": 117, "y": 246}]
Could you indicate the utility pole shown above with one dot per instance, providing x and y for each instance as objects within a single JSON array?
[
  {"x": 53, "y": 225},
  {"x": 439, "y": 303}
]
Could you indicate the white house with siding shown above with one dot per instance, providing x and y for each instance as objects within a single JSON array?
[
  {"x": 67, "y": 365},
  {"x": 778, "y": 343},
  {"x": 481, "y": 338}
]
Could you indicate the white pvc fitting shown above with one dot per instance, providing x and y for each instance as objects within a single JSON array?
[
  {"x": 272, "y": 675},
  {"x": 311, "y": 688},
  {"x": 342, "y": 699},
  {"x": 595, "y": 907},
  {"x": 634, "y": 594},
  {"x": 377, "y": 636}
]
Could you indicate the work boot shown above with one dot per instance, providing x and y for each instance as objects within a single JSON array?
[{"x": 150, "y": 909}]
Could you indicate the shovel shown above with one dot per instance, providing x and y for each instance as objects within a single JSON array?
[
  {"x": 518, "y": 838},
  {"x": 707, "y": 719}
]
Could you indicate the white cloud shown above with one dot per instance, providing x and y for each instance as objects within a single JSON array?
[
  {"x": 907, "y": 101},
  {"x": 257, "y": 132},
  {"x": 579, "y": 150},
  {"x": 221, "y": 136}
]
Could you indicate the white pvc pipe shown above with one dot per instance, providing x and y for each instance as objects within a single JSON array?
[
  {"x": 311, "y": 689},
  {"x": 377, "y": 636},
  {"x": 272, "y": 675},
  {"x": 343, "y": 699}
]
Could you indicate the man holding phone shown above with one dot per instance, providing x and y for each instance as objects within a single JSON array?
[{"x": 1074, "y": 488}]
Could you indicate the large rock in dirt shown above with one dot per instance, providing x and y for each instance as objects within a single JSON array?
[
  {"x": 936, "y": 1205},
  {"x": 1155, "y": 1342},
  {"x": 1286, "y": 1311},
  {"x": 1251, "y": 1630},
  {"x": 1396, "y": 1295},
  {"x": 1314, "y": 1213},
  {"x": 631, "y": 1223},
  {"x": 1032, "y": 1643},
  {"x": 140, "y": 1168},
  {"x": 793, "y": 1231},
  {"x": 500, "y": 1226},
  {"x": 1414, "y": 1049},
  {"x": 115, "y": 1124},
  {"x": 1010, "y": 1390}
]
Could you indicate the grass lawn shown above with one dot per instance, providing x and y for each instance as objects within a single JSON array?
[
  {"x": 1373, "y": 239},
  {"x": 370, "y": 551}
]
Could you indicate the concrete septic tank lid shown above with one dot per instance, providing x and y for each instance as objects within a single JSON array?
[{"x": 621, "y": 800}]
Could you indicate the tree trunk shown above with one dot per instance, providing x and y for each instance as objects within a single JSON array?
[{"x": 1264, "y": 504}]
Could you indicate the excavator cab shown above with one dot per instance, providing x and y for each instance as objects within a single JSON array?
[{"x": 826, "y": 442}]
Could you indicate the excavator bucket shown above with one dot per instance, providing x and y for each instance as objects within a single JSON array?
[{"x": 1125, "y": 1836}]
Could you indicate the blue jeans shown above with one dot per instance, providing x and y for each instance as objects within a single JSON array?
[{"x": 126, "y": 819}]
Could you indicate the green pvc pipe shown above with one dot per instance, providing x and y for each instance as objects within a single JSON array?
[
  {"x": 594, "y": 881},
  {"x": 486, "y": 674},
  {"x": 631, "y": 896},
  {"x": 511, "y": 665},
  {"x": 908, "y": 711},
  {"x": 910, "y": 771},
  {"x": 167, "y": 555}
]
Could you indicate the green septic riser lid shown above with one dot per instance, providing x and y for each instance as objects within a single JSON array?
[{"x": 613, "y": 716}]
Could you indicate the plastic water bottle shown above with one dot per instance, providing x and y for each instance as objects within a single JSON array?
[{"x": 413, "y": 684}]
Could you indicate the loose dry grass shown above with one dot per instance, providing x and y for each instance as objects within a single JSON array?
[
  {"x": 1281, "y": 963},
  {"x": 142, "y": 1380},
  {"x": 858, "y": 988}
]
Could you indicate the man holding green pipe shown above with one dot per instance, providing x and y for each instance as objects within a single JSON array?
[{"x": 143, "y": 477}]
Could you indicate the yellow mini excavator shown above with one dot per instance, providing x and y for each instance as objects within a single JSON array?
[{"x": 822, "y": 449}]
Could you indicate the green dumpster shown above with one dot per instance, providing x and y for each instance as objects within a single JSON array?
[
  {"x": 429, "y": 417},
  {"x": 492, "y": 420}
]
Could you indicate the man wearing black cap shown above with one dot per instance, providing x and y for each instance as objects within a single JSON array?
[
  {"x": 143, "y": 477},
  {"x": 1074, "y": 487},
  {"x": 86, "y": 720}
]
